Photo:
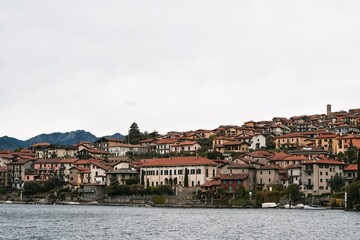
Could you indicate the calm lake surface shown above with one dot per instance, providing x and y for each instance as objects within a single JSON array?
[{"x": 115, "y": 222}]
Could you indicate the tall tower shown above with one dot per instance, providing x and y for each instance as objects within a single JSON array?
[{"x": 328, "y": 109}]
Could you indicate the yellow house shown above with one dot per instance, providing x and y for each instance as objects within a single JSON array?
[
  {"x": 292, "y": 140},
  {"x": 328, "y": 142}
]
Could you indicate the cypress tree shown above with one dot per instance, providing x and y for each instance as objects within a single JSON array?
[
  {"x": 186, "y": 179},
  {"x": 358, "y": 165}
]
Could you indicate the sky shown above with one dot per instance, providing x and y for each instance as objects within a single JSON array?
[{"x": 172, "y": 65}]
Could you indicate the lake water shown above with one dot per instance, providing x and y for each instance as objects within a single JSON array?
[{"x": 115, "y": 222}]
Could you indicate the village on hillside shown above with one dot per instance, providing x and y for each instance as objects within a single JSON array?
[{"x": 319, "y": 154}]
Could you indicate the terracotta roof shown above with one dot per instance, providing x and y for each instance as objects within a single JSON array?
[
  {"x": 68, "y": 160},
  {"x": 82, "y": 169},
  {"x": 270, "y": 167},
  {"x": 6, "y": 156},
  {"x": 234, "y": 176},
  {"x": 279, "y": 156},
  {"x": 292, "y": 166},
  {"x": 50, "y": 160},
  {"x": 167, "y": 141},
  {"x": 186, "y": 143},
  {"x": 179, "y": 161},
  {"x": 211, "y": 183},
  {"x": 240, "y": 166},
  {"x": 323, "y": 161},
  {"x": 95, "y": 151},
  {"x": 235, "y": 143},
  {"x": 325, "y": 136},
  {"x": 4, "y": 169},
  {"x": 45, "y": 144},
  {"x": 147, "y": 141},
  {"x": 351, "y": 167}
]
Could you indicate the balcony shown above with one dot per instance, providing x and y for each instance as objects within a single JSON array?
[
  {"x": 309, "y": 170},
  {"x": 309, "y": 186}
]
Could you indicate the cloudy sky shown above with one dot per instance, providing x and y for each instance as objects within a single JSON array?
[{"x": 172, "y": 65}]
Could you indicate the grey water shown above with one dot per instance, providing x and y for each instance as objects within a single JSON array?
[{"x": 115, "y": 222}]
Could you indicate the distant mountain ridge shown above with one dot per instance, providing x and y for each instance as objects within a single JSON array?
[{"x": 68, "y": 138}]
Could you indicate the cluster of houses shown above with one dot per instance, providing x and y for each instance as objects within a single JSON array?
[{"x": 306, "y": 150}]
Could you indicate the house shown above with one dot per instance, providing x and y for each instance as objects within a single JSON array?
[
  {"x": 46, "y": 150},
  {"x": 294, "y": 173},
  {"x": 65, "y": 165},
  {"x": 210, "y": 186},
  {"x": 18, "y": 170},
  {"x": 317, "y": 172},
  {"x": 269, "y": 175},
  {"x": 344, "y": 142},
  {"x": 185, "y": 147},
  {"x": 121, "y": 149},
  {"x": 218, "y": 143},
  {"x": 163, "y": 146},
  {"x": 232, "y": 182},
  {"x": 5, "y": 159},
  {"x": 44, "y": 169},
  {"x": 91, "y": 191},
  {"x": 236, "y": 168},
  {"x": 350, "y": 174},
  {"x": 293, "y": 140},
  {"x": 327, "y": 141},
  {"x": 149, "y": 144},
  {"x": 79, "y": 175},
  {"x": 93, "y": 153},
  {"x": 105, "y": 142},
  {"x": 236, "y": 146},
  {"x": 177, "y": 170},
  {"x": 121, "y": 175},
  {"x": 4, "y": 177}
]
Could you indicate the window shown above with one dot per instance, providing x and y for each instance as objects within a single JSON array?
[
  {"x": 260, "y": 172},
  {"x": 321, "y": 180},
  {"x": 192, "y": 183},
  {"x": 198, "y": 171},
  {"x": 174, "y": 172},
  {"x": 230, "y": 188},
  {"x": 269, "y": 179},
  {"x": 192, "y": 171},
  {"x": 230, "y": 182},
  {"x": 224, "y": 182},
  {"x": 238, "y": 182},
  {"x": 207, "y": 172},
  {"x": 269, "y": 172},
  {"x": 180, "y": 172},
  {"x": 213, "y": 173},
  {"x": 320, "y": 173}
]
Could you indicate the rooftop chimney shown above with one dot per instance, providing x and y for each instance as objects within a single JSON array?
[{"x": 328, "y": 109}]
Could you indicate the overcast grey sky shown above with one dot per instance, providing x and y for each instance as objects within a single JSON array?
[{"x": 172, "y": 65}]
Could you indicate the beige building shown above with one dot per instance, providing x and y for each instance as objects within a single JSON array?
[
  {"x": 268, "y": 175},
  {"x": 172, "y": 171},
  {"x": 316, "y": 174},
  {"x": 185, "y": 147},
  {"x": 292, "y": 140}
]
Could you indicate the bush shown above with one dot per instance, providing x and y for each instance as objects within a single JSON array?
[
  {"x": 158, "y": 199},
  {"x": 32, "y": 187}
]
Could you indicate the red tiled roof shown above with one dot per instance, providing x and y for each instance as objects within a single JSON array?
[
  {"x": 4, "y": 169},
  {"x": 167, "y": 141},
  {"x": 41, "y": 144},
  {"x": 235, "y": 143},
  {"x": 234, "y": 176},
  {"x": 293, "y": 166},
  {"x": 351, "y": 167},
  {"x": 178, "y": 161},
  {"x": 211, "y": 183},
  {"x": 241, "y": 166},
  {"x": 186, "y": 143},
  {"x": 68, "y": 160},
  {"x": 270, "y": 167},
  {"x": 6, "y": 156},
  {"x": 323, "y": 161}
]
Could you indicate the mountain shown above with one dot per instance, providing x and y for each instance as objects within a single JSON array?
[{"x": 68, "y": 138}]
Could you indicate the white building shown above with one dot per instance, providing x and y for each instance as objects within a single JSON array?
[{"x": 172, "y": 171}]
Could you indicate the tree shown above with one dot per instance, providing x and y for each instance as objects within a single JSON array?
[
  {"x": 358, "y": 164},
  {"x": 52, "y": 183},
  {"x": 215, "y": 155},
  {"x": 134, "y": 136},
  {"x": 351, "y": 154},
  {"x": 113, "y": 187},
  {"x": 186, "y": 178},
  {"x": 32, "y": 187},
  {"x": 270, "y": 144},
  {"x": 354, "y": 194},
  {"x": 293, "y": 192},
  {"x": 336, "y": 183}
]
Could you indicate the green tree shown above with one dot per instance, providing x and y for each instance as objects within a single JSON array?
[
  {"x": 270, "y": 144},
  {"x": 32, "y": 187},
  {"x": 358, "y": 164},
  {"x": 351, "y": 154},
  {"x": 186, "y": 178},
  {"x": 136, "y": 189},
  {"x": 52, "y": 183},
  {"x": 131, "y": 181},
  {"x": 354, "y": 194},
  {"x": 112, "y": 189},
  {"x": 336, "y": 183},
  {"x": 134, "y": 135},
  {"x": 215, "y": 155},
  {"x": 294, "y": 193}
]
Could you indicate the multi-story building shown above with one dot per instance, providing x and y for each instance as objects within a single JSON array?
[
  {"x": 105, "y": 142},
  {"x": 185, "y": 147},
  {"x": 46, "y": 150},
  {"x": 316, "y": 174},
  {"x": 270, "y": 175},
  {"x": 18, "y": 170},
  {"x": 163, "y": 146},
  {"x": 174, "y": 170},
  {"x": 350, "y": 174},
  {"x": 4, "y": 177}
]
